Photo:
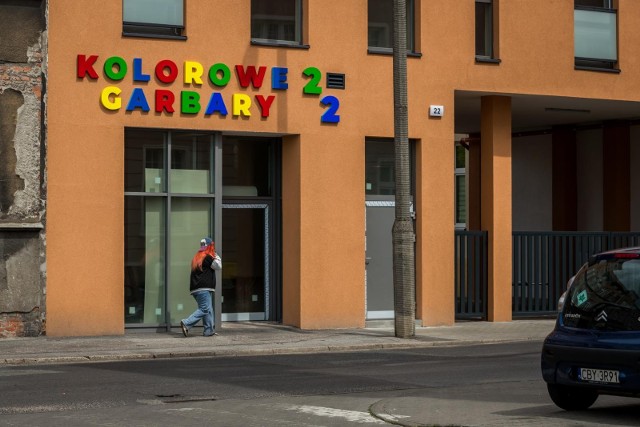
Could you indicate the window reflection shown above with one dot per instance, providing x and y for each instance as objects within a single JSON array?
[
  {"x": 144, "y": 154},
  {"x": 380, "y": 18},
  {"x": 276, "y": 20},
  {"x": 191, "y": 159},
  {"x": 144, "y": 259},
  {"x": 380, "y": 168},
  {"x": 247, "y": 167}
]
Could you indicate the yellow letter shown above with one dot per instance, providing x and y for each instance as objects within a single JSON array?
[
  {"x": 105, "y": 98},
  {"x": 241, "y": 104},
  {"x": 193, "y": 72}
]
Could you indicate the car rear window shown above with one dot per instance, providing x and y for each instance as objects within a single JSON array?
[{"x": 605, "y": 295}]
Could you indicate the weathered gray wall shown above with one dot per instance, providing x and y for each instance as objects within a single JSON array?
[{"x": 22, "y": 179}]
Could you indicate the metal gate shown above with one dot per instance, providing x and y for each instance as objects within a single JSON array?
[
  {"x": 543, "y": 262},
  {"x": 471, "y": 274}
]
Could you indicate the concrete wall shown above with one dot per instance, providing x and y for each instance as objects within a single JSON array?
[
  {"x": 532, "y": 183},
  {"x": 22, "y": 273},
  {"x": 589, "y": 171}
]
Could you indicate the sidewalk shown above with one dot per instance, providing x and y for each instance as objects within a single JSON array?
[{"x": 258, "y": 338}]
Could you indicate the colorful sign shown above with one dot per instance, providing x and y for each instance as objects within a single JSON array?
[{"x": 166, "y": 73}]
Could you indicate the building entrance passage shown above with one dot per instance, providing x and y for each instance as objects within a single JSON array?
[
  {"x": 245, "y": 276},
  {"x": 181, "y": 186},
  {"x": 380, "y": 216}
]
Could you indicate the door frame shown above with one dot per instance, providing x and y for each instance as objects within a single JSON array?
[
  {"x": 375, "y": 202},
  {"x": 268, "y": 256}
]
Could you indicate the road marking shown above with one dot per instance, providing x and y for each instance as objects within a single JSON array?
[
  {"x": 321, "y": 411},
  {"x": 17, "y": 372}
]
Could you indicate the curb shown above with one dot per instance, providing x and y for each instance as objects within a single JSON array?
[{"x": 160, "y": 354}]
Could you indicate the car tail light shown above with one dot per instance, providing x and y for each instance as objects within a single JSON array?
[{"x": 626, "y": 255}]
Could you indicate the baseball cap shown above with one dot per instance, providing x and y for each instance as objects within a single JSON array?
[{"x": 204, "y": 242}]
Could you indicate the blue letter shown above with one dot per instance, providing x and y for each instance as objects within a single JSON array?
[
  {"x": 279, "y": 78},
  {"x": 216, "y": 105},
  {"x": 138, "y": 100},
  {"x": 137, "y": 71}
]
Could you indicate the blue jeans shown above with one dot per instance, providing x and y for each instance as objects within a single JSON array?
[{"x": 204, "y": 312}]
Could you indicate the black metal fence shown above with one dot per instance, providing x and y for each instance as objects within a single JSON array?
[
  {"x": 543, "y": 262},
  {"x": 471, "y": 274}
]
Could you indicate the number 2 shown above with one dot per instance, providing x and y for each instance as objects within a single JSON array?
[
  {"x": 312, "y": 86},
  {"x": 330, "y": 115}
]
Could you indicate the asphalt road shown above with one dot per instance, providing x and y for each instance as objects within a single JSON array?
[{"x": 481, "y": 385}]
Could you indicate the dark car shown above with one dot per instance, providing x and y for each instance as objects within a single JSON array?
[{"x": 594, "y": 348}]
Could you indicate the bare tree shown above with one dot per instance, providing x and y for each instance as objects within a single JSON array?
[{"x": 403, "y": 233}]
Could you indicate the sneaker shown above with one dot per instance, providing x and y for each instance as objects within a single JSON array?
[
  {"x": 185, "y": 331},
  {"x": 210, "y": 335}
]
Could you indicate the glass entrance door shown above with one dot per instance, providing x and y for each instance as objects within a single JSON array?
[{"x": 246, "y": 272}]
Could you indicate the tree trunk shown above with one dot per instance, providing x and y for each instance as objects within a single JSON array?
[{"x": 403, "y": 234}]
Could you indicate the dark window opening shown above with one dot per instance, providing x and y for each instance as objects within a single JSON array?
[
  {"x": 276, "y": 21},
  {"x": 484, "y": 28},
  {"x": 380, "y": 23}
]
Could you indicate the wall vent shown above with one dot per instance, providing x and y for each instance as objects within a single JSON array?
[{"x": 335, "y": 81}]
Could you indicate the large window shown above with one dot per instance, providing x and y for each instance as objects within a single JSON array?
[
  {"x": 276, "y": 21},
  {"x": 485, "y": 49},
  {"x": 380, "y": 15},
  {"x": 169, "y": 207},
  {"x": 595, "y": 35},
  {"x": 173, "y": 197},
  {"x": 153, "y": 18}
]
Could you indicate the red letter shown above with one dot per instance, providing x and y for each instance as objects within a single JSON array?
[
  {"x": 164, "y": 101},
  {"x": 265, "y": 104},
  {"x": 173, "y": 71},
  {"x": 85, "y": 66},
  {"x": 250, "y": 75}
]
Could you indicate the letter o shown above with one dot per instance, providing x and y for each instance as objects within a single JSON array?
[
  {"x": 173, "y": 71},
  {"x": 110, "y": 63},
  {"x": 213, "y": 74}
]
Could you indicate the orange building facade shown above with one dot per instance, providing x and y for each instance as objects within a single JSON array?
[{"x": 269, "y": 129}]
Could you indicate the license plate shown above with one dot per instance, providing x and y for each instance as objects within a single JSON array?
[{"x": 606, "y": 376}]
